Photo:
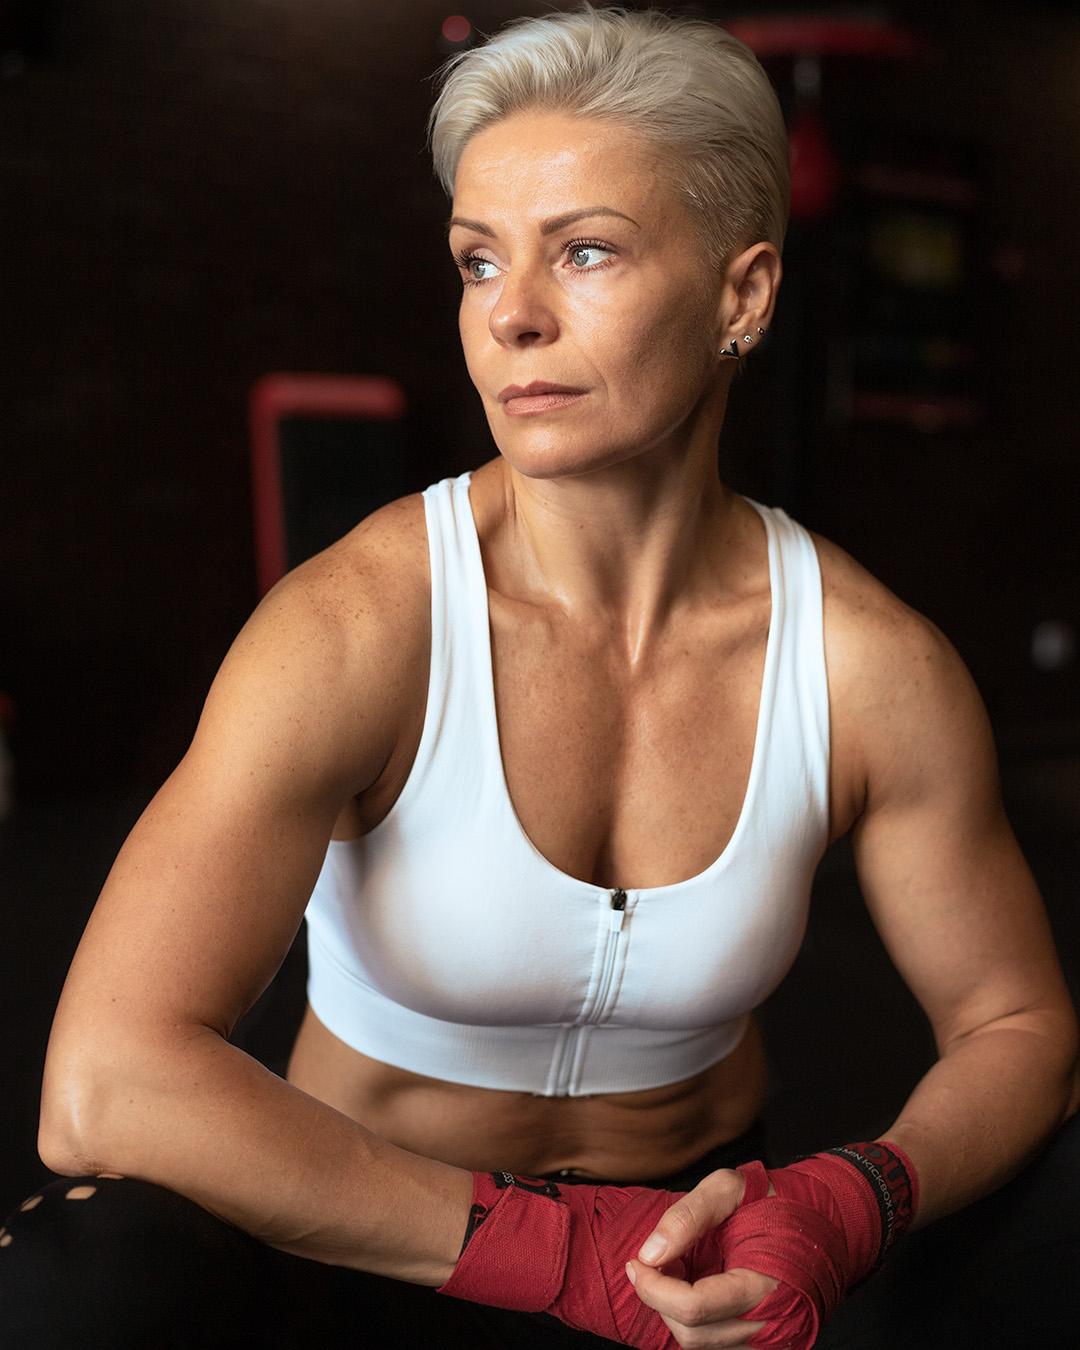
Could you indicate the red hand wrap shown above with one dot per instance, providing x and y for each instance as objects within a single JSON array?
[
  {"x": 534, "y": 1246},
  {"x": 539, "y": 1247},
  {"x": 832, "y": 1219}
]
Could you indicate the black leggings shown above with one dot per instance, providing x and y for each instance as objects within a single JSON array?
[{"x": 134, "y": 1264}]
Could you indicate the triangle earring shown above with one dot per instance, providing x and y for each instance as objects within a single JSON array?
[{"x": 732, "y": 349}]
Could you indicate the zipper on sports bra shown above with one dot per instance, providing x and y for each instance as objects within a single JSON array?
[
  {"x": 616, "y": 915},
  {"x": 568, "y": 1052}
]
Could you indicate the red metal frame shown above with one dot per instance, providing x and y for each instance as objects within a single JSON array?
[
  {"x": 806, "y": 35},
  {"x": 374, "y": 397}
]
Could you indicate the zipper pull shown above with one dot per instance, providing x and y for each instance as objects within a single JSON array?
[{"x": 618, "y": 909}]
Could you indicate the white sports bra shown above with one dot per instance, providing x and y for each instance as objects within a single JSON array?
[{"x": 444, "y": 942}]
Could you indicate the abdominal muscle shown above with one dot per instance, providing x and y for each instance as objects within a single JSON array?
[{"x": 628, "y": 1136}]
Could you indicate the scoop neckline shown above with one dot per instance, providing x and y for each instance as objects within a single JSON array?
[{"x": 494, "y": 741}]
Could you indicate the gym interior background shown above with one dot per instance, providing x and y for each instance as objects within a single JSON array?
[{"x": 195, "y": 194}]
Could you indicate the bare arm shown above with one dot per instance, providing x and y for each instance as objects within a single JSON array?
[
  {"x": 197, "y": 915},
  {"x": 959, "y": 912}
]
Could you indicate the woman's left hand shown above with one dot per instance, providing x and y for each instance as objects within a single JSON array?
[
  {"x": 708, "y": 1311},
  {"x": 781, "y": 1246}
]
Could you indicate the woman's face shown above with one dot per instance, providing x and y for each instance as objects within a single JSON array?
[{"x": 581, "y": 267}]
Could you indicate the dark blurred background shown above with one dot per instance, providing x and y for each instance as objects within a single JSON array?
[{"x": 196, "y": 193}]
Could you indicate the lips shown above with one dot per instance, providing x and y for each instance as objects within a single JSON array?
[{"x": 537, "y": 387}]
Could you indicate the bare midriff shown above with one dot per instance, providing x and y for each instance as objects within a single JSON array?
[{"x": 621, "y": 1135}]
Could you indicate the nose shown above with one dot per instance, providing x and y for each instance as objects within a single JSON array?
[{"x": 522, "y": 313}]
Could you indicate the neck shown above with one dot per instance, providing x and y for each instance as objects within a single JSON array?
[{"x": 619, "y": 551}]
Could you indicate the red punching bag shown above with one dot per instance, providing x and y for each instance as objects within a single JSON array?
[
  {"x": 815, "y": 170},
  {"x": 806, "y": 39}
]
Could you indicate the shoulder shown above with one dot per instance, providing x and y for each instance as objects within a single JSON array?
[
  {"x": 869, "y": 629},
  {"x": 903, "y": 703},
  {"x": 371, "y": 583},
  {"x": 329, "y": 656}
]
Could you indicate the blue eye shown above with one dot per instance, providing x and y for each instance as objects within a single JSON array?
[
  {"x": 466, "y": 260},
  {"x": 587, "y": 248}
]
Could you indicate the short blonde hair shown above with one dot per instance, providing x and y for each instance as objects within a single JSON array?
[{"x": 688, "y": 86}]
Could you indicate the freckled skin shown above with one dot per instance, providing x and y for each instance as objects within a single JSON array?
[
  {"x": 642, "y": 334},
  {"x": 606, "y": 522}
]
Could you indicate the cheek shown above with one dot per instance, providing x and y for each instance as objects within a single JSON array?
[
  {"x": 473, "y": 331},
  {"x": 665, "y": 350},
  {"x": 628, "y": 344}
]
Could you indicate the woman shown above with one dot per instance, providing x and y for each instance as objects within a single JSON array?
[{"x": 553, "y": 748}]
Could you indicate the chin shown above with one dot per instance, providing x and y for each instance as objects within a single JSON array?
[{"x": 557, "y": 457}]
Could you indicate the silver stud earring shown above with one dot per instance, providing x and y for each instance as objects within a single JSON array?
[{"x": 732, "y": 349}]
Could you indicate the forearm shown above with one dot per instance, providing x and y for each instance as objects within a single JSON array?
[
  {"x": 204, "y": 1119},
  {"x": 985, "y": 1108}
]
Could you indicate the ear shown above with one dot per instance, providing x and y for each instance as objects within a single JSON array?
[{"x": 748, "y": 296}]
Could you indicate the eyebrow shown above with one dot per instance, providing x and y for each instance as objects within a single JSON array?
[{"x": 550, "y": 226}]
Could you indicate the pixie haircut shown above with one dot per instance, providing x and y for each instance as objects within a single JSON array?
[{"x": 690, "y": 89}]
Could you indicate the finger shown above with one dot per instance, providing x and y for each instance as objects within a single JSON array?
[
  {"x": 725, "y": 1335},
  {"x": 720, "y": 1336},
  {"x": 712, "y": 1200},
  {"x": 712, "y": 1299}
]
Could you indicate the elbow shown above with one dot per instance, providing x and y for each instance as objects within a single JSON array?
[
  {"x": 60, "y": 1157},
  {"x": 70, "y": 1104},
  {"x": 1068, "y": 1087},
  {"x": 59, "y": 1144},
  {"x": 112, "y": 1110},
  {"x": 1072, "y": 1038},
  {"x": 1064, "y": 1033}
]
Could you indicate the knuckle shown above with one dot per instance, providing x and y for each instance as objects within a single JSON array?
[
  {"x": 745, "y": 1290},
  {"x": 692, "y": 1313},
  {"x": 682, "y": 1220},
  {"x": 726, "y": 1177},
  {"x": 723, "y": 1188}
]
